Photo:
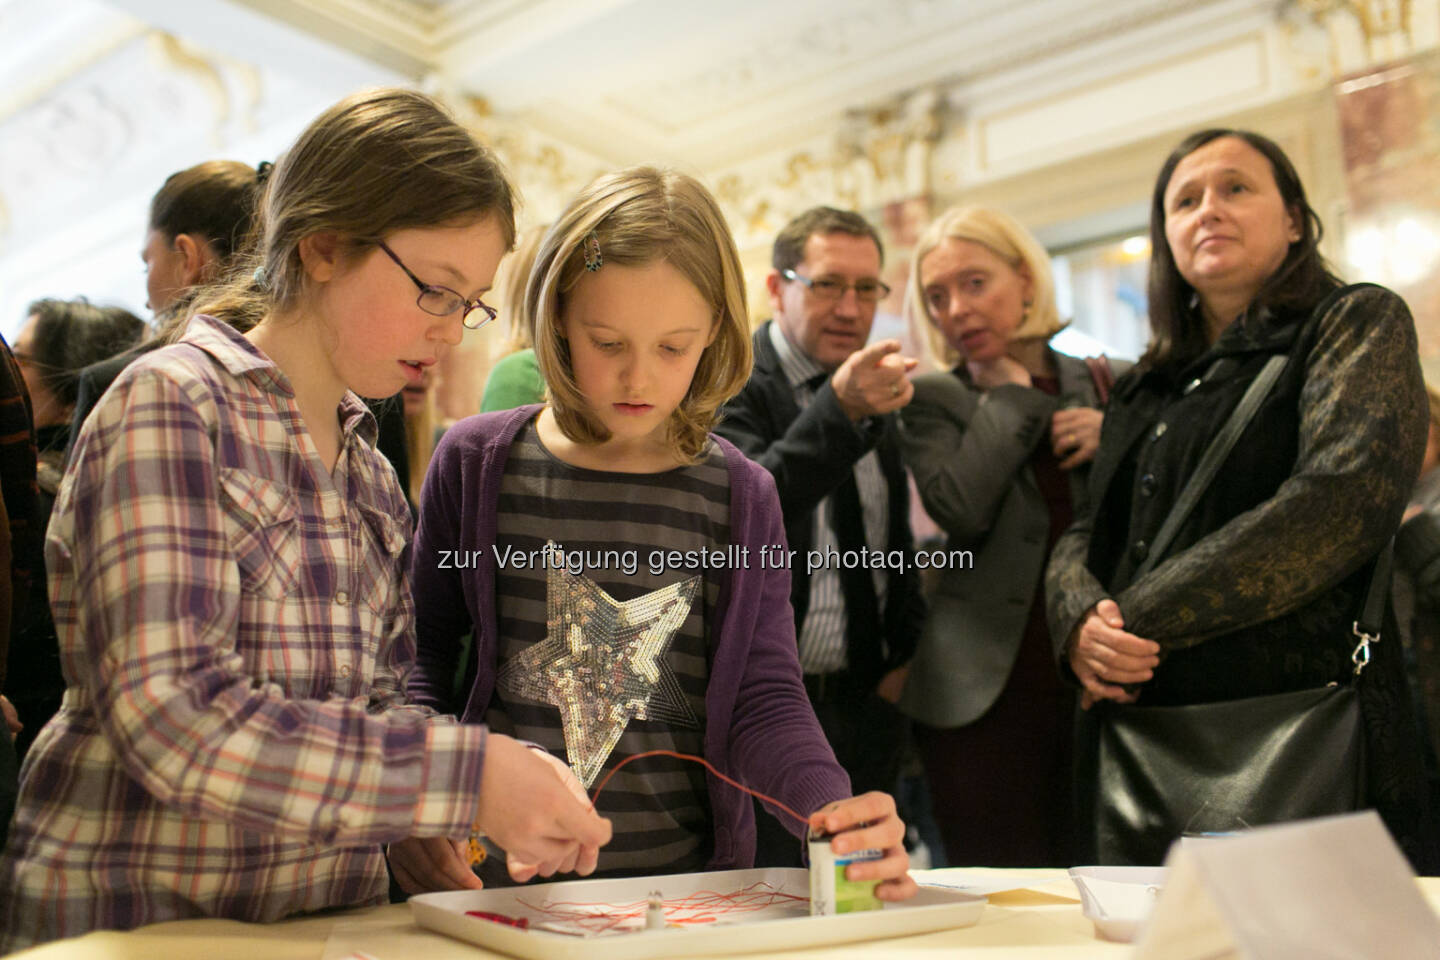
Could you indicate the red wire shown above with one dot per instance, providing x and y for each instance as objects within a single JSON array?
[{"x": 700, "y": 760}]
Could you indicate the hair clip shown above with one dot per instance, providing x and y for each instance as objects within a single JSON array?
[
  {"x": 262, "y": 171},
  {"x": 593, "y": 258},
  {"x": 259, "y": 277}
]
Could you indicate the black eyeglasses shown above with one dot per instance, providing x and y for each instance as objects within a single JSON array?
[
  {"x": 442, "y": 301},
  {"x": 833, "y": 288}
]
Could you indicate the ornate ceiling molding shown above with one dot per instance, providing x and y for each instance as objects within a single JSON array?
[
  {"x": 1365, "y": 33},
  {"x": 878, "y": 156}
]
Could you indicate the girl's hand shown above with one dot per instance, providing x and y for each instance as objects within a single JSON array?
[
  {"x": 426, "y": 864},
  {"x": 1103, "y": 656},
  {"x": 870, "y": 822},
  {"x": 533, "y": 815},
  {"x": 1075, "y": 435},
  {"x": 584, "y": 863}
]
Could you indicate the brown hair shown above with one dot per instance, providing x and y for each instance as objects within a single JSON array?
[
  {"x": 72, "y": 334},
  {"x": 789, "y": 248},
  {"x": 214, "y": 200},
  {"x": 639, "y": 216},
  {"x": 376, "y": 162},
  {"x": 1303, "y": 279}
]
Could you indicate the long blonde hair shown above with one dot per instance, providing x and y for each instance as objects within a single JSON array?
[
  {"x": 639, "y": 216},
  {"x": 1003, "y": 236}
]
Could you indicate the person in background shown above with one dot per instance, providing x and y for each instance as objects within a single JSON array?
[
  {"x": 201, "y": 221},
  {"x": 417, "y": 402},
  {"x": 21, "y": 561},
  {"x": 515, "y": 379},
  {"x": 228, "y": 558},
  {"x": 200, "y": 218},
  {"x": 817, "y": 413},
  {"x": 58, "y": 339},
  {"x": 1259, "y": 590},
  {"x": 1416, "y": 594},
  {"x": 1000, "y": 446}
]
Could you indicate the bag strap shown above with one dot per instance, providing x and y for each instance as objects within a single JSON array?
[
  {"x": 1368, "y": 627},
  {"x": 1212, "y": 459},
  {"x": 1102, "y": 376},
  {"x": 1372, "y": 615}
]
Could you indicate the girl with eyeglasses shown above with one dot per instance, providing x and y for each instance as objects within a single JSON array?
[{"x": 228, "y": 560}]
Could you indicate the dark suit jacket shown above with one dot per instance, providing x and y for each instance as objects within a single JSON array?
[{"x": 809, "y": 452}]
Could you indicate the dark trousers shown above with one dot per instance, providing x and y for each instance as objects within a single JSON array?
[{"x": 868, "y": 736}]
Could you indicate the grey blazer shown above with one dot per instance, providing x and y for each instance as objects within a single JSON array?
[{"x": 968, "y": 450}]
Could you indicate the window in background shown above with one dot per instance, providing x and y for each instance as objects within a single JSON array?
[{"x": 1100, "y": 287}]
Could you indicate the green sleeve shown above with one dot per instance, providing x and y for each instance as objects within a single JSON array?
[{"x": 513, "y": 382}]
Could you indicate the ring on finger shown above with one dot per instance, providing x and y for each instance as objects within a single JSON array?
[{"x": 894, "y": 389}]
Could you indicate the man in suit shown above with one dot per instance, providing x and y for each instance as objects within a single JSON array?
[{"x": 818, "y": 414}]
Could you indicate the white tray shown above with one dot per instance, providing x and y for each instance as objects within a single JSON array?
[
  {"x": 776, "y": 928},
  {"x": 1118, "y": 899}
]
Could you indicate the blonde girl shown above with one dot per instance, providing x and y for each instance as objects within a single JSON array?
[
  {"x": 227, "y": 561},
  {"x": 606, "y": 550}
]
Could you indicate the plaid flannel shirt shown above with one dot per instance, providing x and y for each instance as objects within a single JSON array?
[{"x": 236, "y": 629}]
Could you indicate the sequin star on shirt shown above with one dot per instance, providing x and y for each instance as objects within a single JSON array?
[{"x": 602, "y": 663}]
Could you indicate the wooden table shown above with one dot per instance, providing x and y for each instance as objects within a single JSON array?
[{"x": 1042, "y": 920}]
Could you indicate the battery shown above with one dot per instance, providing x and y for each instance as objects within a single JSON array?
[{"x": 830, "y": 892}]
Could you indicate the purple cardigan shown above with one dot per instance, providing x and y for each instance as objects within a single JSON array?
[{"x": 759, "y": 729}]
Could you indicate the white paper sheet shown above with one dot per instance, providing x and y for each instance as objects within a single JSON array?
[{"x": 1335, "y": 887}]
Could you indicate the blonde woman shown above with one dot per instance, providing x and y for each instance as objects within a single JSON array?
[{"x": 998, "y": 445}]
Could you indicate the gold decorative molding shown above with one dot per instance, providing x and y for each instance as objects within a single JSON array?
[
  {"x": 547, "y": 172},
  {"x": 1363, "y": 33},
  {"x": 878, "y": 155},
  {"x": 200, "y": 69},
  {"x": 252, "y": 84},
  {"x": 1377, "y": 18}
]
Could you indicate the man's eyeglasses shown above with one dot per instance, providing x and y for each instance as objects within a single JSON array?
[
  {"x": 442, "y": 301},
  {"x": 832, "y": 288}
]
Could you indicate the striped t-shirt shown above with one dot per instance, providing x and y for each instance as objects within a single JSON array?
[{"x": 604, "y": 644}]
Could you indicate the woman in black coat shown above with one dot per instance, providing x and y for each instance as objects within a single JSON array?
[{"x": 1259, "y": 589}]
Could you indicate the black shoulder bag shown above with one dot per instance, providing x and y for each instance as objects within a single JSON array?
[{"x": 1219, "y": 767}]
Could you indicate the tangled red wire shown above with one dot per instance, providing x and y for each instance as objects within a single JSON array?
[{"x": 701, "y": 760}]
